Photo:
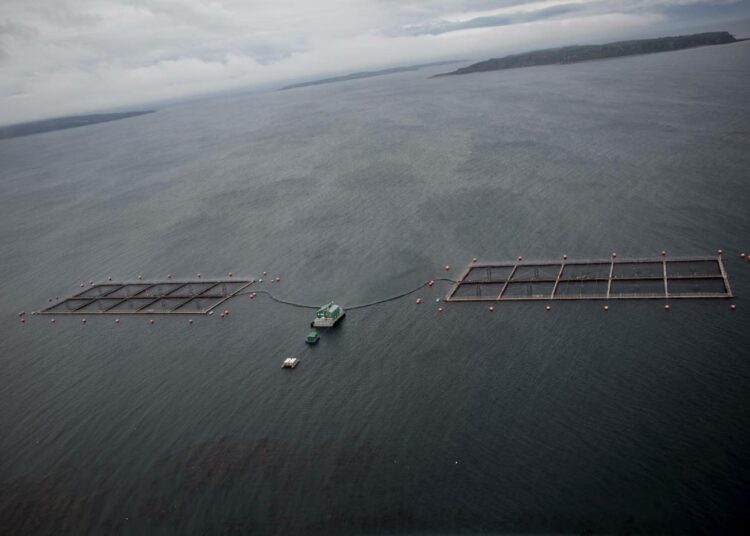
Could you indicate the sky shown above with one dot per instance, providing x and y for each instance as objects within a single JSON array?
[{"x": 60, "y": 57}]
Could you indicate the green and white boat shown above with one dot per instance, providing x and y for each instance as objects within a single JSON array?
[{"x": 327, "y": 316}]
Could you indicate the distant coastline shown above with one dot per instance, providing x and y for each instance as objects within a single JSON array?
[
  {"x": 62, "y": 123},
  {"x": 580, "y": 53},
  {"x": 367, "y": 74}
]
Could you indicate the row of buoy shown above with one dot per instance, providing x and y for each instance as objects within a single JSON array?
[
  {"x": 548, "y": 308},
  {"x": 614, "y": 255}
]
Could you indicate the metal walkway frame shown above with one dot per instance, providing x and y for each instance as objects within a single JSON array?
[
  {"x": 150, "y": 297},
  {"x": 614, "y": 278}
]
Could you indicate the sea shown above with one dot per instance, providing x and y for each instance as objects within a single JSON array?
[{"x": 403, "y": 419}]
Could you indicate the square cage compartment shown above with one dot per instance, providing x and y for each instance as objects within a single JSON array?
[
  {"x": 699, "y": 277},
  {"x": 157, "y": 297}
]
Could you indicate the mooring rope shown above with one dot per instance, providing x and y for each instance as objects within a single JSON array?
[{"x": 349, "y": 307}]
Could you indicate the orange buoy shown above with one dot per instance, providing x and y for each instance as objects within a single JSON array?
[
  {"x": 492, "y": 309},
  {"x": 666, "y": 307},
  {"x": 418, "y": 301},
  {"x": 733, "y": 307}
]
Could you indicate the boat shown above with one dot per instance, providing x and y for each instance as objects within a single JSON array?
[
  {"x": 328, "y": 315},
  {"x": 312, "y": 337},
  {"x": 290, "y": 362}
]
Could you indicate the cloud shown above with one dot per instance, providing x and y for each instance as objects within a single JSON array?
[
  {"x": 60, "y": 57},
  {"x": 443, "y": 26}
]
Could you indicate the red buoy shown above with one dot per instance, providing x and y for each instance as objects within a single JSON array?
[
  {"x": 140, "y": 276},
  {"x": 733, "y": 307},
  {"x": 230, "y": 274},
  {"x": 720, "y": 252},
  {"x": 265, "y": 274},
  {"x": 520, "y": 259},
  {"x": 742, "y": 255},
  {"x": 606, "y": 307},
  {"x": 221, "y": 315},
  {"x": 614, "y": 254},
  {"x": 23, "y": 321},
  {"x": 440, "y": 309},
  {"x": 169, "y": 276},
  {"x": 22, "y": 313},
  {"x": 663, "y": 253},
  {"x": 430, "y": 283},
  {"x": 83, "y": 320},
  {"x": 418, "y": 301},
  {"x": 199, "y": 275},
  {"x": 226, "y": 312},
  {"x": 117, "y": 320},
  {"x": 52, "y": 321},
  {"x": 151, "y": 321},
  {"x": 666, "y": 307},
  {"x": 565, "y": 257},
  {"x": 190, "y": 321},
  {"x": 81, "y": 285},
  {"x": 549, "y": 308},
  {"x": 109, "y": 278},
  {"x": 447, "y": 267},
  {"x": 474, "y": 259},
  {"x": 492, "y": 309}
]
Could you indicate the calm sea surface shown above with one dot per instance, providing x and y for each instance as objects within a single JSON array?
[{"x": 403, "y": 420}]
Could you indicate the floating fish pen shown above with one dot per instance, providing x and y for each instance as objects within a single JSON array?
[
  {"x": 156, "y": 297},
  {"x": 694, "y": 277}
]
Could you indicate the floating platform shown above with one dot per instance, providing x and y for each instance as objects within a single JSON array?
[
  {"x": 615, "y": 278},
  {"x": 154, "y": 297}
]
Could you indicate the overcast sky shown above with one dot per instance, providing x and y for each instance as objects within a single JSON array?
[{"x": 59, "y": 57}]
